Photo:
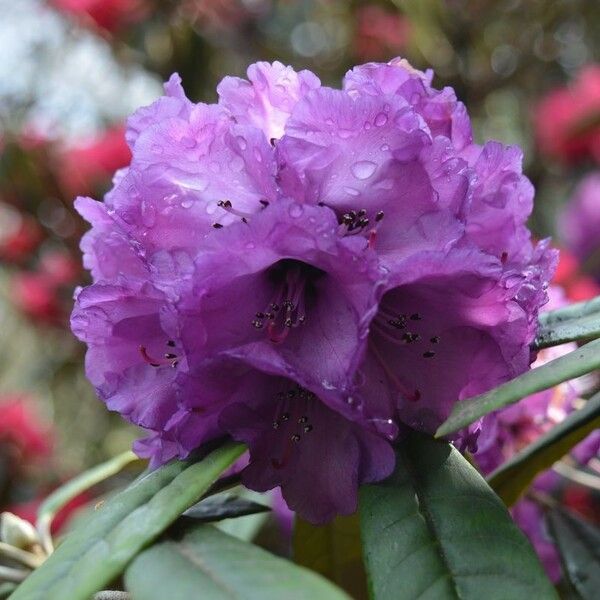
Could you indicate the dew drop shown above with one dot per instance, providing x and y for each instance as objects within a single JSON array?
[
  {"x": 187, "y": 203},
  {"x": 344, "y": 133},
  {"x": 363, "y": 169},
  {"x": 385, "y": 147},
  {"x": 381, "y": 119},
  {"x": 258, "y": 155},
  {"x": 296, "y": 211},
  {"x": 148, "y": 214},
  {"x": 351, "y": 191},
  {"x": 241, "y": 142}
]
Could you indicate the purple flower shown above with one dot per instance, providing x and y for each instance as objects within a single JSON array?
[
  {"x": 580, "y": 222},
  {"x": 304, "y": 269}
]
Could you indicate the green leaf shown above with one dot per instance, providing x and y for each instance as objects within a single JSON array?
[
  {"x": 579, "y": 546},
  {"x": 98, "y": 551},
  {"x": 514, "y": 476},
  {"x": 576, "y": 363},
  {"x": 571, "y": 330},
  {"x": 64, "y": 494},
  {"x": 572, "y": 311},
  {"x": 333, "y": 550},
  {"x": 435, "y": 530},
  {"x": 209, "y": 564},
  {"x": 223, "y": 506}
]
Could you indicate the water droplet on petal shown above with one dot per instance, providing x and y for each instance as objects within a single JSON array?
[
  {"x": 241, "y": 142},
  {"x": 188, "y": 142},
  {"x": 363, "y": 169},
  {"x": 258, "y": 155},
  {"x": 344, "y": 133},
  {"x": 367, "y": 125},
  {"x": 148, "y": 214},
  {"x": 351, "y": 191},
  {"x": 296, "y": 211},
  {"x": 381, "y": 120},
  {"x": 187, "y": 203},
  {"x": 385, "y": 147}
]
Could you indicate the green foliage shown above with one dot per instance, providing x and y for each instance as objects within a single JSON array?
[
  {"x": 434, "y": 529},
  {"x": 579, "y": 546},
  {"x": 572, "y": 323},
  {"x": 514, "y": 476},
  {"x": 333, "y": 550},
  {"x": 98, "y": 551},
  {"x": 212, "y": 565},
  {"x": 577, "y": 363}
]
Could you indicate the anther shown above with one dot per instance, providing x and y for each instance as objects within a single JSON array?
[
  {"x": 415, "y": 317},
  {"x": 275, "y": 424},
  {"x": 379, "y": 216},
  {"x": 303, "y": 420},
  {"x": 257, "y": 324},
  {"x": 171, "y": 344},
  {"x": 217, "y": 225},
  {"x": 295, "y": 438},
  {"x": 307, "y": 428},
  {"x": 428, "y": 354},
  {"x": 285, "y": 416},
  {"x": 265, "y": 203},
  {"x": 170, "y": 355},
  {"x": 435, "y": 339}
]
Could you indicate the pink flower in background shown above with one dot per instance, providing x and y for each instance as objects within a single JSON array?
[
  {"x": 83, "y": 167},
  {"x": 107, "y": 14},
  {"x": 22, "y": 434},
  {"x": 579, "y": 223},
  {"x": 20, "y": 234},
  {"x": 43, "y": 294},
  {"x": 380, "y": 32},
  {"x": 567, "y": 120},
  {"x": 577, "y": 285}
]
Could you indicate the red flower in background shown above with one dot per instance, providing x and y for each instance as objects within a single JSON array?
[
  {"x": 567, "y": 120},
  {"x": 578, "y": 286},
  {"x": 85, "y": 166},
  {"x": 380, "y": 33},
  {"x": 44, "y": 295},
  {"x": 107, "y": 14},
  {"x": 20, "y": 234},
  {"x": 22, "y": 433}
]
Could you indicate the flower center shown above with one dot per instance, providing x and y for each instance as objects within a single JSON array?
[
  {"x": 293, "y": 283},
  {"x": 292, "y": 421},
  {"x": 402, "y": 330},
  {"x": 169, "y": 359}
]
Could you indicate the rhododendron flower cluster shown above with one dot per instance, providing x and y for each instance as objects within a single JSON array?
[{"x": 308, "y": 270}]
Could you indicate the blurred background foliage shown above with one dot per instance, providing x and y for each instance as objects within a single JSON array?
[{"x": 72, "y": 70}]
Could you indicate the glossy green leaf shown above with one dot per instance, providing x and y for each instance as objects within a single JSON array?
[
  {"x": 209, "y": 564},
  {"x": 333, "y": 550},
  {"x": 98, "y": 551},
  {"x": 579, "y": 546},
  {"x": 514, "y": 476},
  {"x": 576, "y": 363},
  {"x": 435, "y": 530},
  {"x": 569, "y": 312},
  {"x": 571, "y": 330},
  {"x": 223, "y": 506}
]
